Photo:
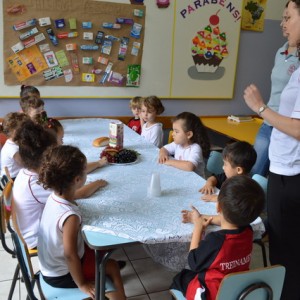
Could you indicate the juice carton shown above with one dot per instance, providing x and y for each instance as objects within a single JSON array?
[{"x": 116, "y": 134}]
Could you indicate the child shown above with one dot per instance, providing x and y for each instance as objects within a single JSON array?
[
  {"x": 61, "y": 250},
  {"x": 239, "y": 158},
  {"x": 151, "y": 130},
  {"x": 55, "y": 127},
  {"x": 29, "y": 196},
  {"x": 190, "y": 147},
  {"x": 228, "y": 250},
  {"x": 32, "y": 105},
  {"x": 135, "y": 123},
  {"x": 10, "y": 157},
  {"x": 28, "y": 90}
]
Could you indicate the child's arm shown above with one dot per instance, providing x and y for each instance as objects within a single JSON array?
[
  {"x": 89, "y": 189},
  {"x": 71, "y": 228},
  {"x": 184, "y": 165},
  {"x": 209, "y": 187},
  {"x": 163, "y": 155},
  {"x": 92, "y": 166},
  {"x": 210, "y": 198},
  {"x": 17, "y": 159}
]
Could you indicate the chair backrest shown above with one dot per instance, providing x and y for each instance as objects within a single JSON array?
[
  {"x": 170, "y": 137},
  {"x": 25, "y": 264},
  {"x": 258, "y": 284},
  {"x": 262, "y": 181},
  {"x": 215, "y": 162}
]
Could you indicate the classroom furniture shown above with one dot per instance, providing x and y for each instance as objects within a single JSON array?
[
  {"x": 257, "y": 284},
  {"x": 123, "y": 209},
  {"x": 243, "y": 131},
  {"x": 215, "y": 163}
]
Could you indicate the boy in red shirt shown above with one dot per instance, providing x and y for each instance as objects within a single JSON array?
[{"x": 136, "y": 123}]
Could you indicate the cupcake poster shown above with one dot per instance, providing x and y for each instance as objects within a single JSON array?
[{"x": 206, "y": 40}]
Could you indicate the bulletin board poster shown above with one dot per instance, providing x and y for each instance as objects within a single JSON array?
[
  {"x": 72, "y": 43},
  {"x": 253, "y": 15},
  {"x": 205, "y": 48}
]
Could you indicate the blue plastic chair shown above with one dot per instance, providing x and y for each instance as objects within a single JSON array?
[
  {"x": 262, "y": 181},
  {"x": 258, "y": 284},
  {"x": 215, "y": 162}
]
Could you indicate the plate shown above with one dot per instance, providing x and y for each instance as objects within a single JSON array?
[{"x": 125, "y": 164}]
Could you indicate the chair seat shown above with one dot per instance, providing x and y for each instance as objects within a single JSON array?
[
  {"x": 177, "y": 294},
  {"x": 51, "y": 293}
]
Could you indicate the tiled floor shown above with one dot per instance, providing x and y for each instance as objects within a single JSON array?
[{"x": 143, "y": 279}]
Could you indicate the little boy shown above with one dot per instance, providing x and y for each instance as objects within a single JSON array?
[
  {"x": 228, "y": 250},
  {"x": 135, "y": 123},
  {"x": 239, "y": 158}
]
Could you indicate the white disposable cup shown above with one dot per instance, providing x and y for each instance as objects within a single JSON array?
[{"x": 154, "y": 188}]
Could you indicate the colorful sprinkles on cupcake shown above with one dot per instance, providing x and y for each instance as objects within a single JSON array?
[{"x": 209, "y": 46}]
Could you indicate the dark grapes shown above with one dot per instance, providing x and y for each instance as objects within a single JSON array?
[{"x": 123, "y": 156}]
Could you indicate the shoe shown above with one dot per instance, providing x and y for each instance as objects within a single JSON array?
[{"x": 121, "y": 264}]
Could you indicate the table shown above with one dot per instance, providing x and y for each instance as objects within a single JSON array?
[
  {"x": 122, "y": 213},
  {"x": 243, "y": 131}
]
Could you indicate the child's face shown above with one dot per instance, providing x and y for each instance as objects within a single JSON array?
[
  {"x": 148, "y": 115},
  {"x": 180, "y": 137},
  {"x": 229, "y": 170},
  {"x": 34, "y": 111},
  {"x": 136, "y": 112}
]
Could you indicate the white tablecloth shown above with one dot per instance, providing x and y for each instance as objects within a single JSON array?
[{"x": 123, "y": 208}]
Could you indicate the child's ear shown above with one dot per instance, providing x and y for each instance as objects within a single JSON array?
[
  {"x": 240, "y": 170},
  {"x": 189, "y": 134}
]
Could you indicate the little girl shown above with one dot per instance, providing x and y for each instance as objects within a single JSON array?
[
  {"x": 61, "y": 250},
  {"x": 190, "y": 147},
  {"x": 151, "y": 130},
  {"x": 29, "y": 196},
  {"x": 10, "y": 157}
]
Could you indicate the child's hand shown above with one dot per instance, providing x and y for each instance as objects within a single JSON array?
[
  {"x": 101, "y": 183},
  {"x": 163, "y": 155},
  {"x": 207, "y": 189},
  {"x": 88, "y": 288},
  {"x": 190, "y": 216},
  {"x": 102, "y": 162},
  {"x": 210, "y": 198}
]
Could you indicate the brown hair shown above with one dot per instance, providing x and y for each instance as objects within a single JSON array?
[
  {"x": 12, "y": 121},
  {"x": 135, "y": 102},
  {"x": 29, "y": 90},
  {"x": 32, "y": 101},
  {"x": 153, "y": 103},
  {"x": 60, "y": 166}
]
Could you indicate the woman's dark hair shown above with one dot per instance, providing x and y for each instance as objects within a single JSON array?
[
  {"x": 33, "y": 141},
  {"x": 240, "y": 154},
  {"x": 241, "y": 200},
  {"x": 60, "y": 166},
  {"x": 193, "y": 123}
]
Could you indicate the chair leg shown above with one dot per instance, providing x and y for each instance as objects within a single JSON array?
[
  {"x": 14, "y": 282},
  {"x": 263, "y": 250}
]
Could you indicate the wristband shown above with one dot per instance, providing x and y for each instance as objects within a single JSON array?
[{"x": 262, "y": 109}]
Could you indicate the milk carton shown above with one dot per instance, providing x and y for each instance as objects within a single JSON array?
[{"x": 116, "y": 134}]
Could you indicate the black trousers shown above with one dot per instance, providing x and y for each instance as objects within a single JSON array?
[{"x": 283, "y": 208}]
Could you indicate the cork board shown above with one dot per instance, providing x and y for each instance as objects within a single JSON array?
[{"x": 96, "y": 12}]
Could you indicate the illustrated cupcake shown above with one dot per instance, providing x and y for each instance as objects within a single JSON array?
[{"x": 209, "y": 46}]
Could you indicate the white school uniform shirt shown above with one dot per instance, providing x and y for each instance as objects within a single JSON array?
[
  {"x": 284, "y": 150},
  {"x": 29, "y": 203},
  {"x": 192, "y": 153},
  {"x": 8, "y": 151},
  {"x": 153, "y": 134},
  {"x": 50, "y": 243}
]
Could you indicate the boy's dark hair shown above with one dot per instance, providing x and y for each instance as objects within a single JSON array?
[
  {"x": 153, "y": 103},
  {"x": 194, "y": 124},
  {"x": 240, "y": 154},
  {"x": 241, "y": 200},
  {"x": 60, "y": 166},
  {"x": 33, "y": 140}
]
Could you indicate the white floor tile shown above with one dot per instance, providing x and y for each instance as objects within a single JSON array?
[{"x": 141, "y": 297}]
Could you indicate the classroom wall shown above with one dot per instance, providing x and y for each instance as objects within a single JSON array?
[{"x": 255, "y": 61}]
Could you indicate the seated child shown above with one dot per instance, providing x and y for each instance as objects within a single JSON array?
[
  {"x": 10, "y": 157},
  {"x": 29, "y": 196},
  {"x": 239, "y": 158},
  {"x": 152, "y": 131},
  {"x": 228, "y": 250},
  {"x": 64, "y": 260},
  {"x": 135, "y": 123},
  {"x": 190, "y": 146},
  {"x": 31, "y": 104}
]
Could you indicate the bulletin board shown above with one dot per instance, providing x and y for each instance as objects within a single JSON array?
[{"x": 168, "y": 39}]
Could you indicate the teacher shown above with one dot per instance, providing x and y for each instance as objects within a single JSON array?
[{"x": 283, "y": 197}]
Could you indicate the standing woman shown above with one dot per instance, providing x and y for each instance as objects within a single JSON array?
[{"x": 283, "y": 197}]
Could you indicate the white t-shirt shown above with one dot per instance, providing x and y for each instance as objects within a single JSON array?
[
  {"x": 50, "y": 242},
  {"x": 153, "y": 134},
  {"x": 8, "y": 151},
  {"x": 192, "y": 153},
  {"x": 29, "y": 200},
  {"x": 284, "y": 150}
]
